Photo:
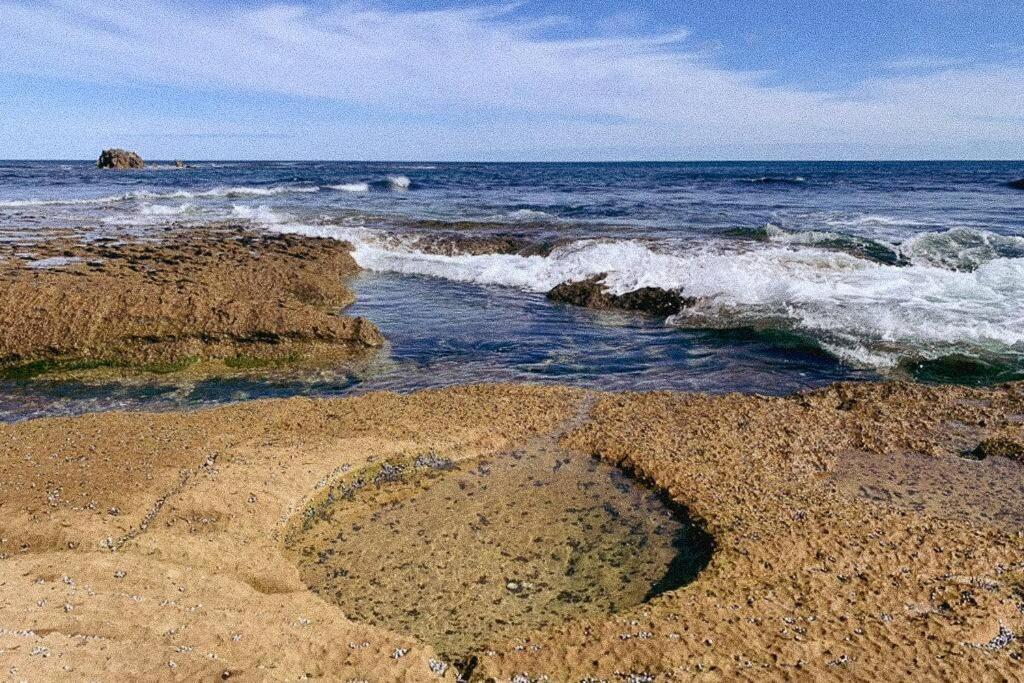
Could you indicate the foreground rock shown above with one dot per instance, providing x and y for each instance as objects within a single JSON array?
[
  {"x": 195, "y": 296},
  {"x": 852, "y": 542},
  {"x": 591, "y": 293},
  {"x": 119, "y": 158},
  {"x": 1017, "y": 184}
]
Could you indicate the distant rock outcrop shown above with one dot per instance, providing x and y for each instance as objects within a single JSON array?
[
  {"x": 1017, "y": 184},
  {"x": 119, "y": 158},
  {"x": 591, "y": 293}
]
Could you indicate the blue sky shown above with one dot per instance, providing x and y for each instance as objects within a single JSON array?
[{"x": 543, "y": 80}]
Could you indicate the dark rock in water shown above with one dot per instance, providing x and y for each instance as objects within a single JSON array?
[
  {"x": 653, "y": 300},
  {"x": 1017, "y": 184},
  {"x": 591, "y": 293},
  {"x": 119, "y": 158}
]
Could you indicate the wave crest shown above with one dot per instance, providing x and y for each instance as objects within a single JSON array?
[{"x": 398, "y": 182}]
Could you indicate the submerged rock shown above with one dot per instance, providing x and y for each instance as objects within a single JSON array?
[
  {"x": 591, "y": 293},
  {"x": 1017, "y": 184},
  {"x": 119, "y": 158}
]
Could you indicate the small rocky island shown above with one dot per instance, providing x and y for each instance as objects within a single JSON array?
[{"x": 119, "y": 158}]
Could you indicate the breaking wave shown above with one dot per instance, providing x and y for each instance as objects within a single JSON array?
[
  {"x": 398, "y": 182},
  {"x": 351, "y": 187},
  {"x": 19, "y": 203},
  {"x": 958, "y": 248},
  {"x": 261, "y": 214},
  {"x": 225, "y": 192},
  {"x": 868, "y": 313},
  {"x": 528, "y": 215},
  {"x": 962, "y": 248},
  {"x": 164, "y": 210}
]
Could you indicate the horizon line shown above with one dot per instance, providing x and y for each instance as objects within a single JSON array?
[{"x": 535, "y": 161}]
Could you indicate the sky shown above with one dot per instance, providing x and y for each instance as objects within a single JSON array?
[{"x": 542, "y": 80}]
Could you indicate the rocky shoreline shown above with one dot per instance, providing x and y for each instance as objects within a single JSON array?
[
  {"x": 190, "y": 297},
  {"x": 853, "y": 533},
  {"x": 853, "y": 540}
]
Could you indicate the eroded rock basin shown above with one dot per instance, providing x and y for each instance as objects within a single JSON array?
[{"x": 464, "y": 554}]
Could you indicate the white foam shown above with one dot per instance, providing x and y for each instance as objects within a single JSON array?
[
  {"x": 866, "y": 312},
  {"x": 399, "y": 182},
  {"x": 19, "y": 203},
  {"x": 225, "y": 192},
  {"x": 164, "y": 210},
  {"x": 261, "y": 214},
  {"x": 244, "y": 191},
  {"x": 53, "y": 262},
  {"x": 351, "y": 187},
  {"x": 529, "y": 215}
]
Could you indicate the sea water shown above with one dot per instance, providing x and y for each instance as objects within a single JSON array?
[{"x": 803, "y": 273}]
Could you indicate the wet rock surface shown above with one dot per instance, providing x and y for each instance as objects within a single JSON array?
[
  {"x": 119, "y": 159},
  {"x": 591, "y": 293},
  {"x": 1017, "y": 184}
]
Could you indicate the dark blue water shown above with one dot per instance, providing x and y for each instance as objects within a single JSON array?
[
  {"x": 804, "y": 272},
  {"x": 654, "y": 198}
]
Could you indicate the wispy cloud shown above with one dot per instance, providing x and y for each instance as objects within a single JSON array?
[
  {"x": 480, "y": 73},
  {"x": 925, "y": 63}
]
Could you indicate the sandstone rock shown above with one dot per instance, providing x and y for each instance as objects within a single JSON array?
[
  {"x": 204, "y": 295},
  {"x": 119, "y": 158},
  {"x": 1005, "y": 445},
  {"x": 591, "y": 293}
]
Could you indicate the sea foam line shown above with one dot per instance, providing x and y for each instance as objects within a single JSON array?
[{"x": 226, "y": 192}]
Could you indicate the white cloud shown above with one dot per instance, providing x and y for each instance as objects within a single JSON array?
[{"x": 477, "y": 75}]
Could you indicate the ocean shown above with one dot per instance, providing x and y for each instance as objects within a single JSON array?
[{"x": 804, "y": 273}]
